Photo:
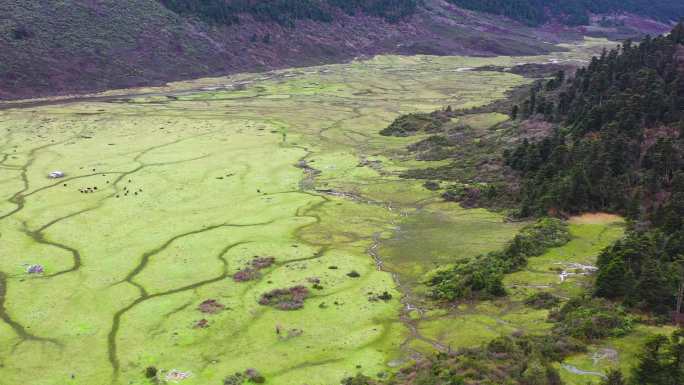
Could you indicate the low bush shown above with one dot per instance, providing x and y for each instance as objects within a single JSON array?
[
  {"x": 251, "y": 272},
  {"x": 151, "y": 372},
  {"x": 353, "y": 274},
  {"x": 590, "y": 319},
  {"x": 542, "y": 300},
  {"x": 235, "y": 379},
  {"x": 432, "y": 185},
  {"x": 285, "y": 299},
  {"x": 262, "y": 262},
  {"x": 467, "y": 279},
  {"x": 411, "y": 124},
  {"x": 481, "y": 277},
  {"x": 359, "y": 379},
  {"x": 514, "y": 360},
  {"x": 211, "y": 306},
  {"x": 247, "y": 274},
  {"x": 254, "y": 376}
]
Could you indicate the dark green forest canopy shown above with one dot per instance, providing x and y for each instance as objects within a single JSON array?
[
  {"x": 617, "y": 147},
  {"x": 573, "y": 12},
  {"x": 531, "y": 12},
  {"x": 286, "y": 11}
]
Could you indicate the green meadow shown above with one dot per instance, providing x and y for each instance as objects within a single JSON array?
[{"x": 169, "y": 192}]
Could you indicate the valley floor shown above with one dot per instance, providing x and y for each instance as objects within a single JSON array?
[{"x": 169, "y": 192}]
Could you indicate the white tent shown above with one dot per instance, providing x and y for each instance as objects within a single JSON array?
[{"x": 56, "y": 175}]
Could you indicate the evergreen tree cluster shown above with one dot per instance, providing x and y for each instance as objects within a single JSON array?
[
  {"x": 391, "y": 10},
  {"x": 618, "y": 148},
  {"x": 528, "y": 360},
  {"x": 661, "y": 362},
  {"x": 514, "y": 360},
  {"x": 572, "y": 12},
  {"x": 590, "y": 319},
  {"x": 644, "y": 271},
  {"x": 481, "y": 277},
  {"x": 285, "y": 12}
]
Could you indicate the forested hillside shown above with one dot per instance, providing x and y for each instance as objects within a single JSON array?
[
  {"x": 611, "y": 141},
  {"x": 532, "y": 12},
  {"x": 618, "y": 147},
  {"x": 573, "y": 12}
]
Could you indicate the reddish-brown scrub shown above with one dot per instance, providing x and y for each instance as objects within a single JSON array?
[
  {"x": 245, "y": 275},
  {"x": 201, "y": 324},
  {"x": 285, "y": 299},
  {"x": 210, "y": 306},
  {"x": 262, "y": 262}
]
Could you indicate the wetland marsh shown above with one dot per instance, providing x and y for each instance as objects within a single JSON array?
[{"x": 169, "y": 192}]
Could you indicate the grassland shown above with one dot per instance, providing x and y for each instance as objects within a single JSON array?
[
  {"x": 477, "y": 322},
  {"x": 169, "y": 192}
]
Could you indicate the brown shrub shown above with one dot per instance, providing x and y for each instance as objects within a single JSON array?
[
  {"x": 245, "y": 275},
  {"x": 210, "y": 306},
  {"x": 285, "y": 299},
  {"x": 251, "y": 272},
  {"x": 259, "y": 263}
]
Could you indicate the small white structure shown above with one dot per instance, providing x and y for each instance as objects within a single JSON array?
[
  {"x": 176, "y": 375},
  {"x": 35, "y": 269},
  {"x": 56, "y": 175}
]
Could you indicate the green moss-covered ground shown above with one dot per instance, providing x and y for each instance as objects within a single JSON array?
[{"x": 169, "y": 192}]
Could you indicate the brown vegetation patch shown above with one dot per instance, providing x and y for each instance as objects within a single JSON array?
[
  {"x": 285, "y": 299},
  {"x": 651, "y": 136},
  {"x": 251, "y": 272},
  {"x": 533, "y": 129},
  {"x": 201, "y": 324},
  {"x": 530, "y": 70},
  {"x": 247, "y": 274},
  {"x": 262, "y": 262},
  {"x": 595, "y": 218},
  {"x": 211, "y": 306}
]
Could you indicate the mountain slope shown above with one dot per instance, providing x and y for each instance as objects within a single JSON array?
[
  {"x": 574, "y": 12},
  {"x": 618, "y": 148},
  {"x": 70, "y": 46},
  {"x": 287, "y": 11}
]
